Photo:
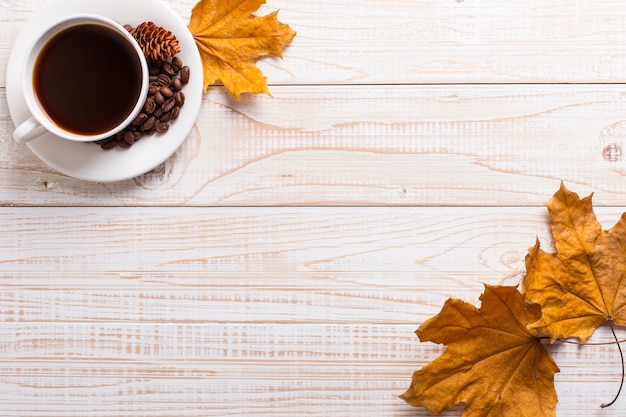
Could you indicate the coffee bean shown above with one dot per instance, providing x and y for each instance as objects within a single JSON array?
[
  {"x": 166, "y": 117},
  {"x": 180, "y": 98},
  {"x": 129, "y": 137},
  {"x": 148, "y": 124},
  {"x": 185, "y": 74},
  {"x": 175, "y": 112},
  {"x": 159, "y": 98},
  {"x": 168, "y": 105},
  {"x": 177, "y": 84},
  {"x": 150, "y": 105},
  {"x": 108, "y": 143},
  {"x": 123, "y": 144},
  {"x": 177, "y": 64},
  {"x": 162, "y": 127},
  {"x": 140, "y": 119},
  {"x": 168, "y": 69},
  {"x": 164, "y": 79},
  {"x": 166, "y": 91}
]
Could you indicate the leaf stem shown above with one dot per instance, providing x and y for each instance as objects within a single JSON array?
[{"x": 621, "y": 354}]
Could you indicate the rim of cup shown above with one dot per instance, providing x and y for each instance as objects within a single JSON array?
[{"x": 35, "y": 48}]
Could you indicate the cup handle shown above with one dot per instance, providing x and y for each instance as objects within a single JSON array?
[{"x": 28, "y": 131}]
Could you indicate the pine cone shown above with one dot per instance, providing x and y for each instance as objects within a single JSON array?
[{"x": 155, "y": 42}]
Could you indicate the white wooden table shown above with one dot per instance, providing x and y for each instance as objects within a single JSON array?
[{"x": 279, "y": 263}]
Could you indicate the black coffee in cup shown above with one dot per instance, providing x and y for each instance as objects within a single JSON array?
[{"x": 88, "y": 79}]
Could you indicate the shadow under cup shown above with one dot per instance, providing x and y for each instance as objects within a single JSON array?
[{"x": 85, "y": 79}]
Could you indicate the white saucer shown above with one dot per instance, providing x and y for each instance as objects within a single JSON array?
[{"x": 88, "y": 161}]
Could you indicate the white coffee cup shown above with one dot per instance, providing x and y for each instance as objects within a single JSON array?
[{"x": 43, "y": 120}]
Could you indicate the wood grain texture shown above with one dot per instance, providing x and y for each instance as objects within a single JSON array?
[
  {"x": 230, "y": 265},
  {"x": 351, "y": 145},
  {"x": 425, "y": 41},
  {"x": 226, "y": 370},
  {"x": 278, "y": 311}
]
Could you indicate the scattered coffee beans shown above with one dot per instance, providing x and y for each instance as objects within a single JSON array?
[{"x": 162, "y": 106}]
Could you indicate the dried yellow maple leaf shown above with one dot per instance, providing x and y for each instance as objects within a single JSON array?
[
  {"x": 231, "y": 39},
  {"x": 583, "y": 284},
  {"x": 493, "y": 363}
]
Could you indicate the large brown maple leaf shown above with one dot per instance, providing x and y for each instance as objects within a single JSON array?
[
  {"x": 582, "y": 285},
  {"x": 493, "y": 363},
  {"x": 231, "y": 39}
]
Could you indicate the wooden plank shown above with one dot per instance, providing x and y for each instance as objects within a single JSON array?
[
  {"x": 422, "y": 41},
  {"x": 352, "y": 145},
  {"x": 272, "y": 369},
  {"x": 232, "y": 265},
  {"x": 300, "y": 265},
  {"x": 217, "y": 372}
]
